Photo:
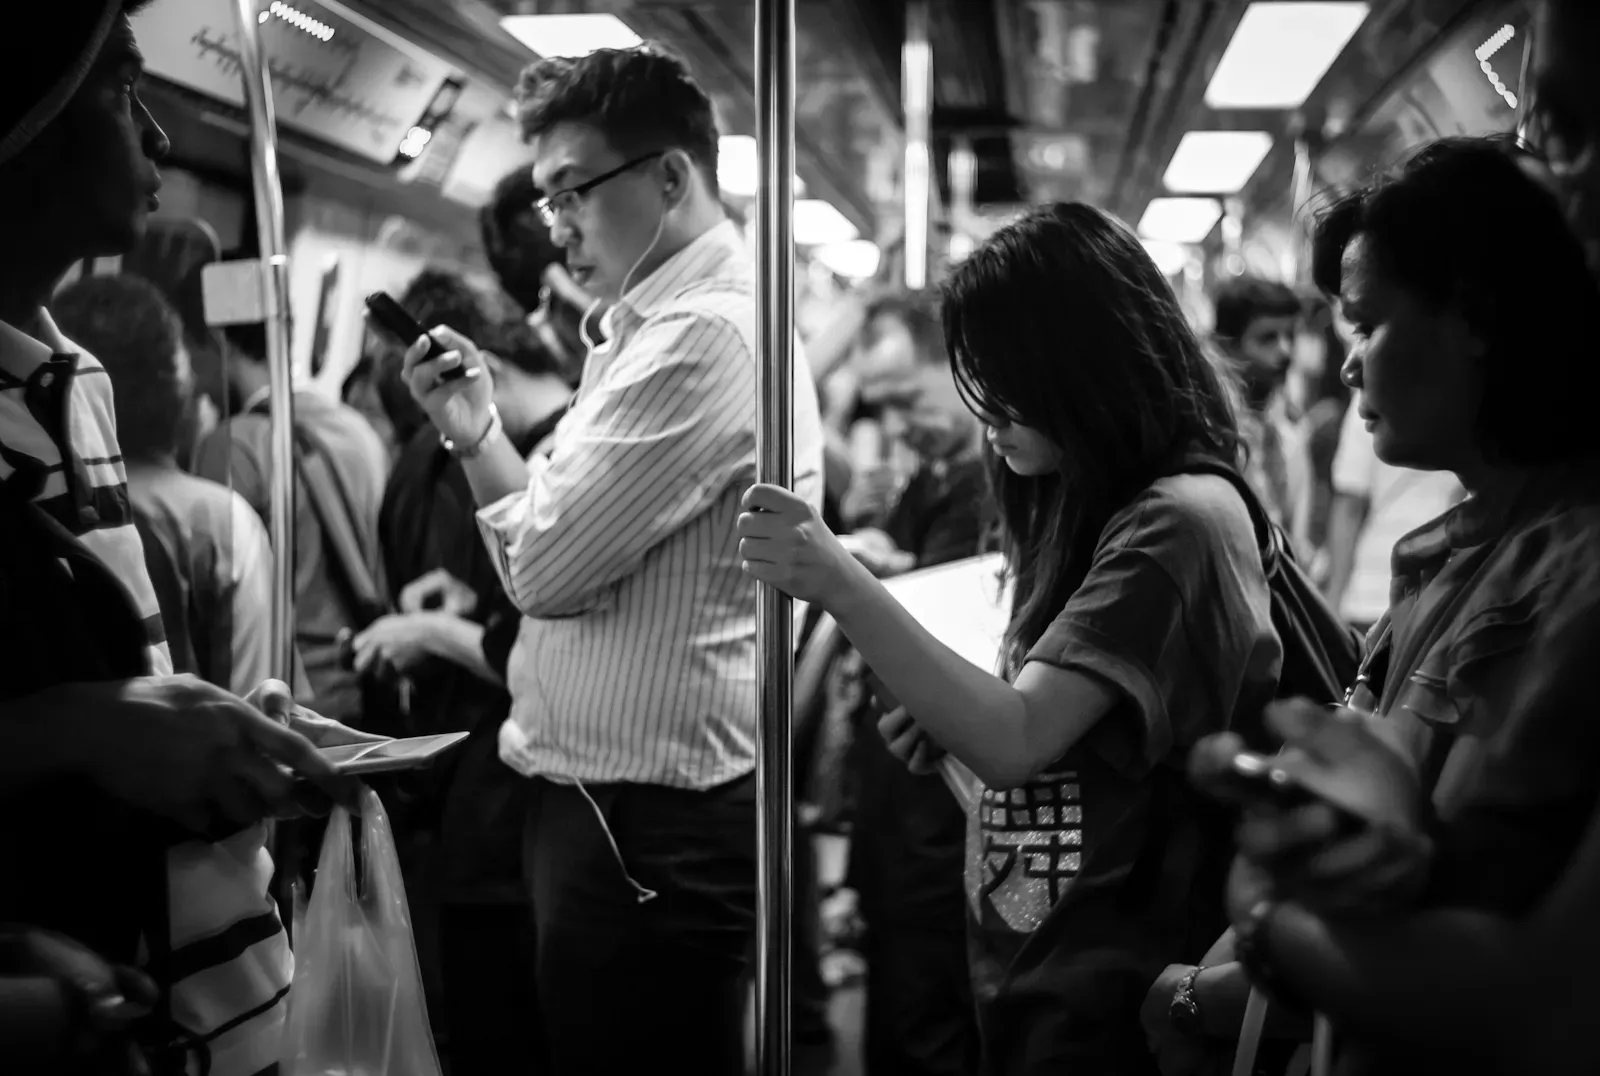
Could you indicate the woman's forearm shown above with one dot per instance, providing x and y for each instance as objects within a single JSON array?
[{"x": 976, "y": 716}]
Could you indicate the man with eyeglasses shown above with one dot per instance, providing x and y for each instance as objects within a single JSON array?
[{"x": 633, "y": 679}]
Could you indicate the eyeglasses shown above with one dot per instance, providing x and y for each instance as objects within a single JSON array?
[{"x": 566, "y": 201}]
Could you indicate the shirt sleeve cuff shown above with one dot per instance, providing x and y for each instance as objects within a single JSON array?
[
  {"x": 1080, "y": 648},
  {"x": 504, "y": 517}
]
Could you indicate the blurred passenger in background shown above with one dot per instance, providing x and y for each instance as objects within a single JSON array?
[
  {"x": 1375, "y": 504},
  {"x": 532, "y": 269},
  {"x": 450, "y": 636},
  {"x": 339, "y": 443},
  {"x": 1255, "y": 327},
  {"x": 1564, "y": 116},
  {"x": 206, "y": 549},
  {"x": 909, "y": 837},
  {"x": 1323, "y": 400},
  {"x": 375, "y": 388}
]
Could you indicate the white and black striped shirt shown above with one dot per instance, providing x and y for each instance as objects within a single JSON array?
[
  {"x": 636, "y": 659},
  {"x": 230, "y": 964}
]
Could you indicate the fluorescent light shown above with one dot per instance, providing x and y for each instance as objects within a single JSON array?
[
  {"x": 1216, "y": 162},
  {"x": 1180, "y": 220},
  {"x": 1280, "y": 52},
  {"x": 1169, "y": 257},
  {"x": 817, "y": 223},
  {"x": 570, "y": 35},
  {"x": 856, "y": 260},
  {"x": 739, "y": 167}
]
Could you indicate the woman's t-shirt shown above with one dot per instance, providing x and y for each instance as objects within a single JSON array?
[{"x": 1087, "y": 881}]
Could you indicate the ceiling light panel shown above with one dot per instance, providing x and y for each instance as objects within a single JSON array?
[
  {"x": 1180, "y": 220},
  {"x": 1216, "y": 162},
  {"x": 570, "y": 35},
  {"x": 1280, "y": 52}
]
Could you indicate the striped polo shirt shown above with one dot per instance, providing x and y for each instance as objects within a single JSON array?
[
  {"x": 636, "y": 660},
  {"x": 230, "y": 958}
]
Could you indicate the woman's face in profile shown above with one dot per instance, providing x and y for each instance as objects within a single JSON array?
[
  {"x": 1026, "y": 451},
  {"x": 1420, "y": 370}
]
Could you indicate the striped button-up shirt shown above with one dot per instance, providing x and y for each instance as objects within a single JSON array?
[
  {"x": 636, "y": 659},
  {"x": 230, "y": 961}
]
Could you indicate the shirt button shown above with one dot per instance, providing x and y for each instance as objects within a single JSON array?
[{"x": 46, "y": 379}]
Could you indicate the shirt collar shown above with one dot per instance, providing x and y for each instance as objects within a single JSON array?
[
  {"x": 1512, "y": 497},
  {"x": 22, "y": 354},
  {"x": 703, "y": 257}
]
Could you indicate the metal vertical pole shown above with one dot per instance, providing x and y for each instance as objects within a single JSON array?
[
  {"x": 916, "y": 88},
  {"x": 1525, "y": 88},
  {"x": 1299, "y": 198},
  {"x": 274, "y": 279},
  {"x": 774, "y": 62}
]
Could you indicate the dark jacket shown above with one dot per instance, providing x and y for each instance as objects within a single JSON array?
[{"x": 71, "y": 859}]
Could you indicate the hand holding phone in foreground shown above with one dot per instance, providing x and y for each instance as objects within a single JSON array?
[{"x": 1338, "y": 824}]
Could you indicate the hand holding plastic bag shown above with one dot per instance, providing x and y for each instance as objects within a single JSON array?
[{"x": 356, "y": 1008}]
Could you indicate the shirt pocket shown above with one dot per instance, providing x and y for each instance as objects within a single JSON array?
[{"x": 1452, "y": 685}]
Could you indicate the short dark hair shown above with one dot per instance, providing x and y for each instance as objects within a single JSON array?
[
  {"x": 126, "y": 323},
  {"x": 642, "y": 99},
  {"x": 516, "y": 241},
  {"x": 1241, "y": 300},
  {"x": 1460, "y": 225},
  {"x": 489, "y": 319},
  {"x": 919, "y": 313}
]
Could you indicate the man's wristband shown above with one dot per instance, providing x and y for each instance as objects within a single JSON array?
[{"x": 475, "y": 449}]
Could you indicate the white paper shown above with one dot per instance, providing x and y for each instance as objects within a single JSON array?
[{"x": 964, "y": 606}]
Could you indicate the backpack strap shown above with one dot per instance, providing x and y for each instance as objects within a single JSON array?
[
  {"x": 1269, "y": 536},
  {"x": 334, "y": 509},
  {"x": 331, "y": 503}
]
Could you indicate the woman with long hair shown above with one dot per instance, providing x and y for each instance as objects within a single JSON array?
[{"x": 1140, "y": 623}]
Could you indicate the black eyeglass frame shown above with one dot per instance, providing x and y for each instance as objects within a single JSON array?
[{"x": 548, "y": 206}]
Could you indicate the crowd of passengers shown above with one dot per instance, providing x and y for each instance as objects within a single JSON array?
[{"x": 1357, "y": 529}]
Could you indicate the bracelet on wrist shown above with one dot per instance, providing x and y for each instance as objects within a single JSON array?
[
  {"x": 475, "y": 448},
  {"x": 1184, "y": 1011}
]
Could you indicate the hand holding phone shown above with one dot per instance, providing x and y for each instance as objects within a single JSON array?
[{"x": 392, "y": 318}]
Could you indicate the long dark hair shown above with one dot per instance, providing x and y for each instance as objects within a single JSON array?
[{"x": 1061, "y": 322}]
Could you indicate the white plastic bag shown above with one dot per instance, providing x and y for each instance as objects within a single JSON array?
[{"x": 356, "y": 1007}]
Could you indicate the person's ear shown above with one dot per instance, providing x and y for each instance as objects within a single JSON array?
[{"x": 677, "y": 171}]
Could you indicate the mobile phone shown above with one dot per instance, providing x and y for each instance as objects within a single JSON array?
[
  {"x": 392, "y": 318},
  {"x": 1255, "y": 779}
]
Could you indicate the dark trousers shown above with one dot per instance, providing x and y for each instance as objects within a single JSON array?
[
  {"x": 625, "y": 984},
  {"x": 921, "y": 1020},
  {"x": 486, "y": 957}
]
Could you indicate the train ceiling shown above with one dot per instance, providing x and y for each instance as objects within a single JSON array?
[{"x": 1057, "y": 99}]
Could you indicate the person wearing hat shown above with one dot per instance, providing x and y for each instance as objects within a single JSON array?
[{"x": 132, "y": 802}]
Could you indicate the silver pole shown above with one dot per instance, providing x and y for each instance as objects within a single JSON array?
[
  {"x": 1525, "y": 90},
  {"x": 916, "y": 62},
  {"x": 1299, "y": 198},
  {"x": 774, "y": 62},
  {"x": 275, "y": 301}
]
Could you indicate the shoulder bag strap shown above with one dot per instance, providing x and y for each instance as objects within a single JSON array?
[{"x": 337, "y": 516}]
